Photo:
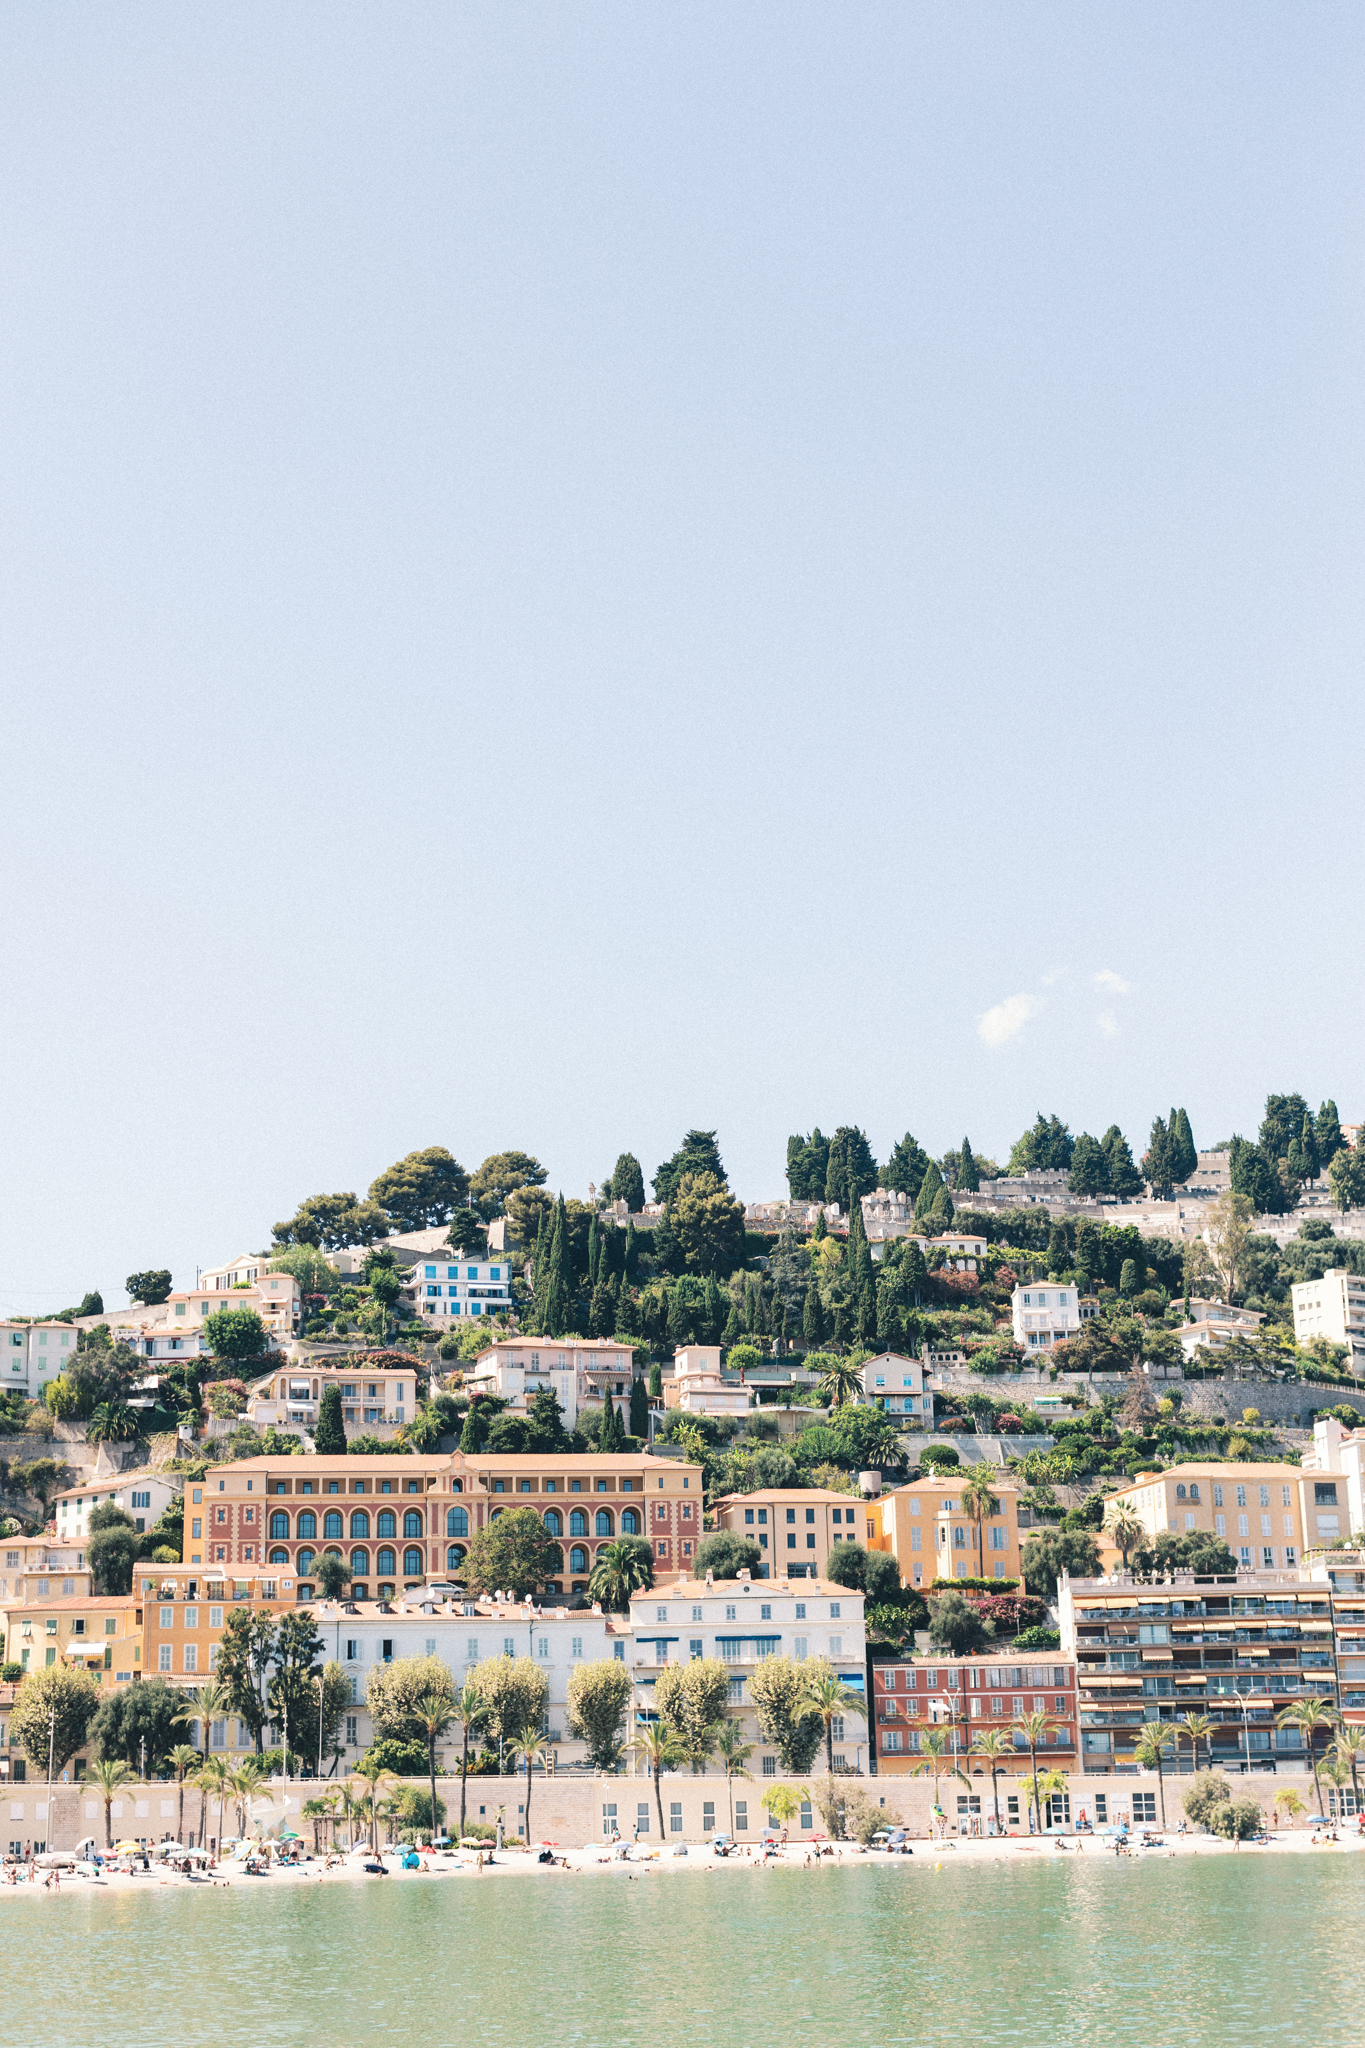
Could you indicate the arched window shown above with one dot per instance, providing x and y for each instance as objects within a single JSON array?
[
  {"x": 308, "y": 1523},
  {"x": 457, "y": 1486},
  {"x": 630, "y": 1522},
  {"x": 578, "y": 1523},
  {"x": 412, "y": 1522},
  {"x": 334, "y": 1551},
  {"x": 1180, "y": 1493},
  {"x": 603, "y": 1523},
  {"x": 412, "y": 1563},
  {"x": 279, "y": 1557},
  {"x": 384, "y": 1563},
  {"x": 554, "y": 1522},
  {"x": 457, "y": 1521},
  {"x": 385, "y": 1525},
  {"x": 454, "y": 1557},
  {"x": 1194, "y": 1491},
  {"x": 360, "y": 1523},
  {"x": 279, "y": 1525},
  {"x": 332, "y": 1524},
  {"x": 304, "y": 1563},
  {"x": 360, "y": 1564},
  {"x": 578, "y": 1559}
]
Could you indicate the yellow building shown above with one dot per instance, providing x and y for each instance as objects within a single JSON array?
[
  {"x": 1256, "y": 1509},
  {"x": 795, "y": 1526},
  {"x": 103, "y": 1635},
  {"x": 927, "y": 1529}
]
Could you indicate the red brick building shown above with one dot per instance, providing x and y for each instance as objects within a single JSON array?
[{"x": 966, "y": 1696}]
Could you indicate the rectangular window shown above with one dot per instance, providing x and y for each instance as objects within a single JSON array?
[
  {"x": 770, "y": 1766},
  {"x": 576, "y": 1646},
  {"x": 741, "y": 1816},
  {"x": 163, "y": 1657},
  {"x": 675, "y": 1826},
  {"x": 642, "y": 1817}
]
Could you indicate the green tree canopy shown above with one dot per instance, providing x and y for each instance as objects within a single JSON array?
[
  {"x": 150, "y": 1713},
  {"x": 513, "y": 1554},
  {"x": 332, "y": 1221},
  {"x": 1046, "y": 1146},
  {"x": 329, "y": 1435},
  {"x": 907, "y": 1166},
  {"x": 690, "y": 1699},
  {"x": 54, "y": 1706},
  {"x": 852, "y": 1170},
  {"x": 787, "y": 1719},
  {"x": 1124, "y": 1177},
  {"x": 308, "y": 1266},
  {"x": 394, "y": 1692},
  {"x": 149, "y": 1288},
  {"x": 599, "y": 1695},
  {"x": 515, "y": 1693},
  {"x": 421, "y": 1190},
  {"x": 1050, "y": 1552},
  {"x": 627, "y": 1183},
  {"x": 235, "y": 1333},
  {"x": 1089, "y": 1167},
  {"x": 727, "y": 1555},
  {"x": 709, "y": 1224},
  {"x": 956, "y": 1626},
  {"x": 698, "y": 1153},
  {"x": 807, "y": 1166},
  {"x": 502, "y": 1175}
]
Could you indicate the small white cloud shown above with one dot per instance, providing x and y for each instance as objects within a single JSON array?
[
  {"x": 1112, "y": 984},
  {"x": 1006, "y": 1020},
  {"x": 1109, "y": 1024}
]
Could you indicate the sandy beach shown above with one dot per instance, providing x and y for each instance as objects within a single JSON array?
[{"x": 639, "y": 1862}]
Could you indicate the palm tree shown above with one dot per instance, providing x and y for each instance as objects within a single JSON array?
[
  {"x": 1337, "y": 1774},
  {"x": 1150, "y": 1750},
  {"x": 841, "y": 1381},
  {"x": 348, "y": 1807},
  {"x": 779, "y": 1802},
  {"x": 734, "y": 1753},
  {"x": 1199, "y": 1728},
  {"x": 531, "y": 1748},
  {"x": 184, "y": 1757},
  {"x": 471, "y": 1711},
  {"x": 979, "y": 1502},
  {"x": 245, "y": 1784},
  {"x": 1125, "y": 1530},
  {"x": 109, "y": 1775},
  {"x": 620, "y": 1569},
  {"x": 1292, "y": 1802},
  {"x": 935, "y": 1747},
  {"x": 1348, "y": 1748},
  {"x": 1035, "y": 1729},
  {"x": 374, "y": 1781},
  {"x": 432, "y": 1714},
  {"x": 212, "y": 1779},
  {"x": 993, "y": 1744},
  {"x": 1308, "y": 1715},
  {"x": 658, "y": 1745},
  {"x": 830, "y": 1697},
  {"x": 318, "y": 1811},
  {"x": 208, "y": 1703}
]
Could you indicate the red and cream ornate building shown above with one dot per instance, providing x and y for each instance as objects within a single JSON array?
[{"x": 401, "y": 1520}]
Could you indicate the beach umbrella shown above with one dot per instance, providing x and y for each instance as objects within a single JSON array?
[{"x": 127, "y": 1848}]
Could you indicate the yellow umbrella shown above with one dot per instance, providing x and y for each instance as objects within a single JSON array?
[{"x": 122, "y": 1848}]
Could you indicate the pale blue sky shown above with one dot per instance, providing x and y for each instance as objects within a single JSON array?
[{"x": 574, "y": 571}]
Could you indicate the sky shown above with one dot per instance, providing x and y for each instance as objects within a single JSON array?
[{"x": 572, "y": 572}]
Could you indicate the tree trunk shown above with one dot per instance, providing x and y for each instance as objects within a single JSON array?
[
  {"x": 995, "y": 1794},
  {"x": 1037, "y": 1807},
  {"x": 528, "y": 1803},
  {"x": 1161, "y": 1787},
  {"x": 108, "y": 1823},
  {"x": 431, "y": 1759},
  {"x": 659, "y": 1800},
  {"x": 464, "y": 1777},
  {"x": 829, "y": 1742},
  {"x": 180, "y": 1817}
]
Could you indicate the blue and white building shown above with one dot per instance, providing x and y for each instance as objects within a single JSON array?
[{"x": 457, "y": 1286}]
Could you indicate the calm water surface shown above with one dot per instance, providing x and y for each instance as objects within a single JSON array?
[{"x": 1227, "y": 1951}]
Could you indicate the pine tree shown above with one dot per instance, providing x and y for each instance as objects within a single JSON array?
[
  {"x": 968, "y": 1179},
  {"x": 1124, "y": 1178},
  {"x": 329, "y": 1437},
  {"x": 639, "y": 1408},
  {"x": 819, "y": 1228},
  {"x": 813, "y": 1319},
  {"x": 1156, "y": 1160}
]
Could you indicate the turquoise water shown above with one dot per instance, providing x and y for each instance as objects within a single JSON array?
[{"x": 1229, "y": 1950}]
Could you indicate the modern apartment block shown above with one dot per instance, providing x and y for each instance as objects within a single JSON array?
[
  {"x": 740, "y": 1622},
  {"x": 402, "y": 1520},
  {"x": 459, "y": 1286},
  {"x": 968, "y": 1697},
  {"x": 1334, "y": 1471},
  {"x": 927, "y": 1529},
  {"x": 1237, "y": 1649},
  {"x": 793, "y": 1527},
  {"x": 1044, "y": 1314},
  {"x": 1333, "y": 1308},
  {"x": 579, "y": 1371}
]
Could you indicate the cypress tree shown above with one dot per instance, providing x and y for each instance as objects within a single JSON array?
[
  {"x": 639, "y": 1408},
  {"x": 813, "y": 1318},
  {"x": 1327, "y": 1131},
  {"x": 1156, "y": 1160},
  {"x": 819, "y": 1228},
  {"x": 1308, "y": 1142},
  {"x": 715, "y": 1310},
  {"x": 474, "y": 1435},
  {"x": 631, "y": 1267},
  {"x": 1186, "y": 1158},
  {"x": 329, "y": 1437},
  {"x": 594, "y": 1251},
  {"x": 968, "y": 1178},
  {"x": 667, "y": 1251},
  {"x": 656, "y": 1380},
  {"x": 734, "y": 1327},
  {"x": 929, "y": 1189},
  {"x": 627, "y": 1313},
  {"x": 609, "y": 1437}
]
